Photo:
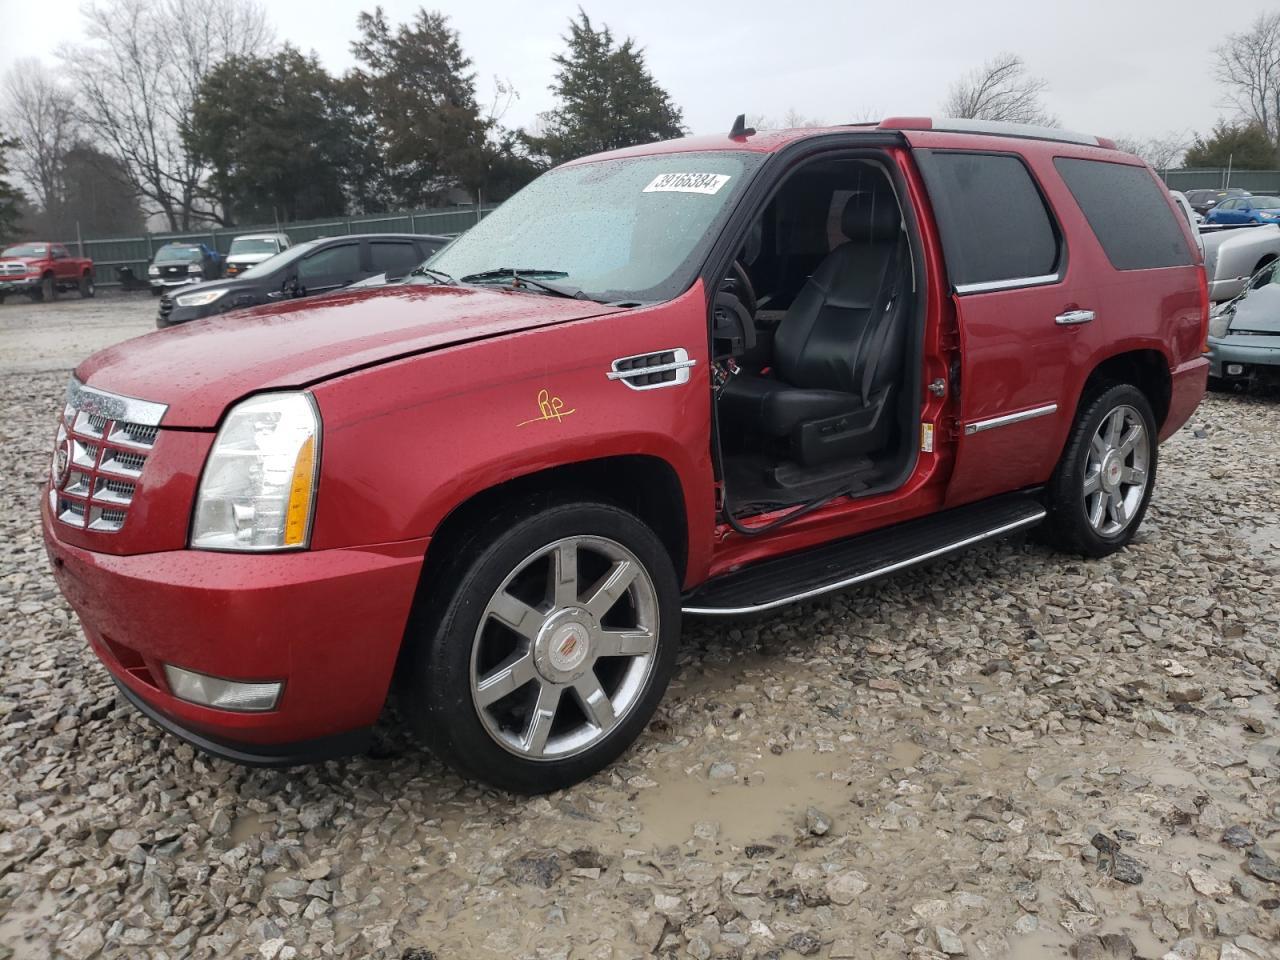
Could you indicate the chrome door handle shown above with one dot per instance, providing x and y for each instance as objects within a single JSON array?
[{"x": 1073, "y": 317}]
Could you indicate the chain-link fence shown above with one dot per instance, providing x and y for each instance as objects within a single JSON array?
[
  {"x": 109, "y": 255},
  {"x": 1213, "y": 178}
]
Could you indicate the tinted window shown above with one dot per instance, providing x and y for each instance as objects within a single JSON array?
[
  {"x": 339, "y": 262},
  {"x": 993, "y": 220},
  {"x": 1264, "y": 203},
  {"x": 1227, "y": 205},
  {"x": 1128, "y": 212},
  {"x": 393, "y": 259}
]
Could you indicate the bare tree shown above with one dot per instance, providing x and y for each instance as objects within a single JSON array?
[
  {"x": 1249, "y": 68},
  {"x": 40, "y": 113},
  {"x": 137, "y": 79},
  {"x": 1162, "y": 153},
  {"x": 1001, "y": 89}
]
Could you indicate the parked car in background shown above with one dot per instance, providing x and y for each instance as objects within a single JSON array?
[
  {"x": 1233, "y": 254},
  {"x": 436, "y": 244},
  {"x": 1202, "y": 201},
  {"x": 1193, "y": 219},
  {"x": 182, "y": 264},
  {"x": 42, "y": 270},
  {"x": 1246, "y": 210},
  {"x": 317, "y": 266},
  {"x": 253, "y": 248},
  {"x": 1244, "y": 334},
  {"x": 710, "y": 376}
]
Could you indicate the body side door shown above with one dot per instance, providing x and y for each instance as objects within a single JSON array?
[{"x": 1019, "y": 292}]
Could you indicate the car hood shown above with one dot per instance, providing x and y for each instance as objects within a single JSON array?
[
  {"x": 248, "y": 257},
  {"x": 199, "y": 368},
  {"x": 1258, "y": 311},
  {"x": 26, "y": 261}
]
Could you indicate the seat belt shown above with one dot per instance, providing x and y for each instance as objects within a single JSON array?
[{"x": 890, "y": 282}]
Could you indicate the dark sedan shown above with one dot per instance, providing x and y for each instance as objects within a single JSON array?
[
  {"x": 317, "y": 266},
  {"x": 181, "y": 265}
]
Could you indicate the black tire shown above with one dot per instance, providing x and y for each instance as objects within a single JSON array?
[
  {"x": 87, "y": 287},
  {"x": 49, "y": 289},
  {"x": 1068, "y": 526},
  {"x": 436, "y": 673}
]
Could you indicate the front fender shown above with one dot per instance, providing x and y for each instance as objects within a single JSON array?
[{"x": 406, "y": 442}]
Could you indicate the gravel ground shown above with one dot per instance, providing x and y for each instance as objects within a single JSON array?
[
  {"x": 1011, "y": 754},
  {"x": 55, "y": 336}
]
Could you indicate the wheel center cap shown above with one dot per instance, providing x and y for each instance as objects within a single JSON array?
[
  {"x": 563, "y": 649},
  {"x": 1112, "y": 470}
]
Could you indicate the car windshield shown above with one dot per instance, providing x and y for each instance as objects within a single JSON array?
[
  {"x": 633, "y": 229},
  {"x": 178, "y": 253},
  {"x": 253, "y": 245},
  {"x": 1266, "y": 203},
  {"x": 272, "y": 264},
  {"x": 26, "y": 250}
]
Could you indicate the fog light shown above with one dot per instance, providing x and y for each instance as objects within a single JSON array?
[
  {"x": 222, "y": 694},
  {"x": 1235, "y": 369}
]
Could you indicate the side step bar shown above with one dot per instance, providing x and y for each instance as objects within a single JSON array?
[{"x": 845, "y": 563}]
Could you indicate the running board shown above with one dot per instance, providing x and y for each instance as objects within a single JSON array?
[{"x": 846, "y": 563}]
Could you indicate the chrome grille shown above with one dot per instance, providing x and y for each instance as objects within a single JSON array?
[
  {"x": 13, "y": 269},
  {"x": 102, "y": 447}
]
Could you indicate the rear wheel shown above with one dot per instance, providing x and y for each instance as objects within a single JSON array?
[
  {"x": 1102, "y": 486},
  {"x": 554, "y": 641},
  {"x": 87, "y": 287}
]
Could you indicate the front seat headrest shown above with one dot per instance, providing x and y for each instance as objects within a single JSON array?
[{"x": 871, "y": 216}]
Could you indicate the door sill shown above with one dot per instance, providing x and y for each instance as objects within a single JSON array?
[{"x": 847, "y": 563}]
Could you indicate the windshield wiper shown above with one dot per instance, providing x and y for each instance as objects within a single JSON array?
[
  {"x": 520, "y": 277},
  {"x": 439, "y": 276}
]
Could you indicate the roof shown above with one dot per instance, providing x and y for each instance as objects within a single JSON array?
[{"x": 769, "y": 141}]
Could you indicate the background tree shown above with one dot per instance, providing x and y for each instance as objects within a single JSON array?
[
  {"x": 415, "y": 94},
  {"x": 1001, "y": 89},
  {"x": 1163, "y": 153},
  {"x": 1248, "y": 66},
  {"x": 40, "y": 113},
  {"x": 97, "y": 196},
  {"x": 274, "y": 135},
  {"x": 10, "y": 195},
  {"x": 1241, "y": 146},
  {"x": 137, "y": 80},
  {"x": 607, "y": 98}
]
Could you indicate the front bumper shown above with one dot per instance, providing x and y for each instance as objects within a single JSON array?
[
  {"x": 165, "y": 283},
  {"x": 328, "y": 623},
  {"x": 1254, "y": 353},
  {"x": 20, "y": 284}
]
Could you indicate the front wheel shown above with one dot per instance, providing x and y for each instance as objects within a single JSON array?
[
  {"x": 87, "y": 286},
  {"x": 553, "y": 644},
  {"x": 1102, "y": 486}
]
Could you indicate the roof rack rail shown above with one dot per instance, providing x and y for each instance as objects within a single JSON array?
[{"x": 993, "y": 128}]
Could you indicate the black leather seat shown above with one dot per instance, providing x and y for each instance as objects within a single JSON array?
[{"x": 838, "y": 351}]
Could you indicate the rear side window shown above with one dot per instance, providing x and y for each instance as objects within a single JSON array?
[
  {"x": 1128, "y": 212},
  {"x": 995, "y": 226},
  {"x": 392, "y": 258}
]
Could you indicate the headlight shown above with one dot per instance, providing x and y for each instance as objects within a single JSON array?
[
  {"x": 194, "y": 268},
  {"x": 200, "y": 299},
  {"x": 1219, "y": 324},
  {"x": 258, "y": 487},
  {"x": 153, "y": 271}
]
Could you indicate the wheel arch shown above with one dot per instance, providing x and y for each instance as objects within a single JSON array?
[
  {"x": 643, "y": 484},
  {"x": 1147, "y": 369}
]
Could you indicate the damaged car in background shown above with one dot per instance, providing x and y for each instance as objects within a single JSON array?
[
  {"x": 1233, "y": 254},
  {"x": 1244, "y": 334}
]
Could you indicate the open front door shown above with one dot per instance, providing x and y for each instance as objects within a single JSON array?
[{"x": 1016, "y": 312}]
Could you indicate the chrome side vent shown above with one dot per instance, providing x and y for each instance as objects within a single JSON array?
[{"x": 649, "y": 371}]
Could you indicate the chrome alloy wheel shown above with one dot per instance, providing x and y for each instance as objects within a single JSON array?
[
  {"x": 1115, "y": 476},
  {"x": 564, "y": 648}
]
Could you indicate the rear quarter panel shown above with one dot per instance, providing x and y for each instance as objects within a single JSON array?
[{"x": 407, "y": 442}]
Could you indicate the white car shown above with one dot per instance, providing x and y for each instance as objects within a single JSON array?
[{"x": 253, "y": 248}]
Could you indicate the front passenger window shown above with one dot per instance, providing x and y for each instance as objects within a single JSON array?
[{"x": 333, "y": 263}]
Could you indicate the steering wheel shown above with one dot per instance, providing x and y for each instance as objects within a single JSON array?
[{"x": 743, "y": 288}]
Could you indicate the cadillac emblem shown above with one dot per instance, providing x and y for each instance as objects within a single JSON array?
[{"x": 61, "y": 463}]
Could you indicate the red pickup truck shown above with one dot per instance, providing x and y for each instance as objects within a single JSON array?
[
  {"x": 41, "y": 270},
  {"x": 698, "y": 378}
]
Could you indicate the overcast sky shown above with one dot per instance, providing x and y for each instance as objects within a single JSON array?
[{"x": 1114, "y": 67}]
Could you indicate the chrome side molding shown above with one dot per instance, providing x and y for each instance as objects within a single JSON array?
[{"x": 978, "y": 426}]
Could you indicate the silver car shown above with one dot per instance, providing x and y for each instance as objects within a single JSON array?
[{"x": 1244, "y": 334}]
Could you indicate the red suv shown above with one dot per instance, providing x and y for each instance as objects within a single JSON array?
[{"x": 710, "y": 377}]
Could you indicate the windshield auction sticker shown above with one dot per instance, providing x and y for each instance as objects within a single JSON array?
[{"x": 687, "y": 183}]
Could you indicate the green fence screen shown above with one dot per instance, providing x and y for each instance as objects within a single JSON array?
[{"x": 110, "y": 254}]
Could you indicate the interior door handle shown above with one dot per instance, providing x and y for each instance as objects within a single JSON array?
[{"x": 1073, "y": 317}]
